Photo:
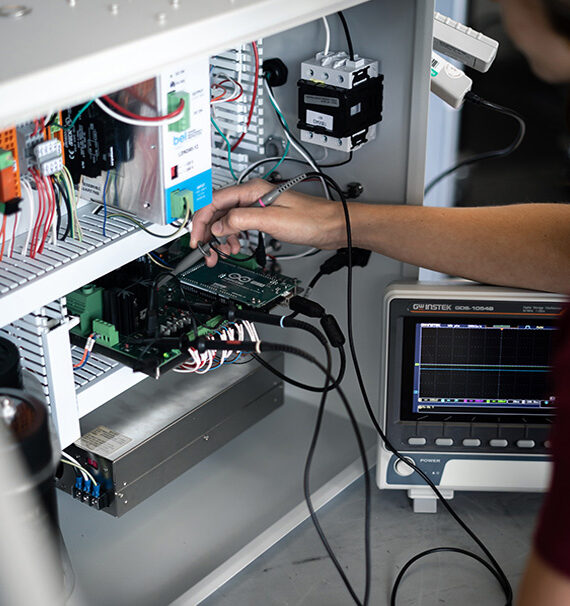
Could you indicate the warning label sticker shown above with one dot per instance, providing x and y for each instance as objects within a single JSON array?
[{"x": 102, "y": 441}]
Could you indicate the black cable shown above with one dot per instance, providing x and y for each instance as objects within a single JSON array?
[
  {"x": 428, "y": 552},
  {"x": 67, "y": 202},
  {"x": 264, "y": 346},
  {"x": 288, "y": 130},
  {"x": 230, "y": 257},
  {"x": 295, "y": 383},
  {"x": 347, "y": 35},
  {"x": 505, "y": 585},
  {"x": 335, "y": 164},
  {"x": 289, "y": 322},
  {"x": 498, "y": 153}
]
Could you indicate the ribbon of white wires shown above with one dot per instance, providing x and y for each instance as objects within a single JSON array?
[{"x": 201, "y": 363}]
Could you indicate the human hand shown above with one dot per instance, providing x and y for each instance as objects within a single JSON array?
[{"x": 295, "y": 218}]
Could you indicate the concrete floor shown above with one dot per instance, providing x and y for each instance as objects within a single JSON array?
[{"x": 297, "y": 572}]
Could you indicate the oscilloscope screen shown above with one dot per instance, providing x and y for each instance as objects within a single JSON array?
[{"x": 484, "y": 368}]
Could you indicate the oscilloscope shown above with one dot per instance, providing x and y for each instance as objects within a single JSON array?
[{"x": 465, "y": 392}]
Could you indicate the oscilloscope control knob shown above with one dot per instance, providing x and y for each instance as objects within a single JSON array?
[{"x": 402, "y": 469}]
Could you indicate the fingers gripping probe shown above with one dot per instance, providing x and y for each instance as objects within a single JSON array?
[
  {"x": 203, "y": 250},
  {"x": 270, "y": 197}
]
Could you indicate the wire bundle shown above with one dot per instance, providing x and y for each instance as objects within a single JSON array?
[
  {"x": 211, "y": 359},
  {"x": 86, "y": 351},
  {"x": 86, "y": 474},
  {"x": 234, "y": 95}
]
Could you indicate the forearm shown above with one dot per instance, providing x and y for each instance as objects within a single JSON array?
[
  {"x": 542, "y": 584},
  {"x": 520, "y": 245}
]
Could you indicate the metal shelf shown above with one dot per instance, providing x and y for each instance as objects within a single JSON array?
[
  {"x": 122, "y": 42},
  {"x": 27, "y": 284},
  {"x": 100, "y": 380}
]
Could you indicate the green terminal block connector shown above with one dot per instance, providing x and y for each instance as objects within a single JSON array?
[
  {"x": 6, "y": 159},
  {"x": 87, "y": 303},
  {"x": 173, "y": 100},
  {"x": 106, "y": 332},
  {"x": 179, "y": 198}
]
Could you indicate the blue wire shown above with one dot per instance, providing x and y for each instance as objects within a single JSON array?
[
  {"x": 105, "y": 203},
  {"x": 84, "y": 361},
  {"x": 155, "y": 256}
]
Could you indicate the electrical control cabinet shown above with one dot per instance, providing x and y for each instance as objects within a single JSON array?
[{"x": 116, "y": 47}]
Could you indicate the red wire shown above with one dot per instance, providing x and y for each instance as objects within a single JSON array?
[
  {"x": 50, "y": 197},
  {"x": 130, "y": 114},
  {"x": 222, "y": 95},
  {"x": 3, "y": 236},
  {"x": 39, "y": 218},
  {"x": 253, "y": 96},
  {"x": 85, "y": 352},
  {"x": 14, "y": 234},
  {"x": 240, "y": 89},
  {"x": 37, "y": 128}
]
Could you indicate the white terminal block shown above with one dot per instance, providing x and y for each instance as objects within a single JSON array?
[
  {"x": 49, "y": 156},
  {"x": 463, "y": 43},
  {"x": 448, "y": 82},
  {"x": 336, "y": 69}
]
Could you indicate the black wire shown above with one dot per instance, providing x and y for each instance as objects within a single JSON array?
[
  {"x": 505, "y": 585},
  {"x": 230, "y": 257},
  {"x": 67, "y": 206},
  {"x": 264, "y": 346},
  {"x": 57, "y": 207},
  {"x": 294, "y": 382},
  {"x": 315, "y": 279},
  {"x": 342, "y": 163},
  {"x": 498, "y": 153},
  {"x": 428, "y": 552},
  {"x": 347, "y": 35}
]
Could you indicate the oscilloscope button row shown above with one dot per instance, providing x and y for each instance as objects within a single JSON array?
[{"x": 474, "y": 442}]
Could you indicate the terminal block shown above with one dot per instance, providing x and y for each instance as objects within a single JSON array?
[
  {"x": 49, "y": 157},
  {"x": 91, "y": 494},
  {"x": 10, "y": 170}
]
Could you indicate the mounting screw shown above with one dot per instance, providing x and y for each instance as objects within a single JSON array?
[
  {"x": 161, "y": 18},
  {"x": 175, "y": 3},
  {"x": 114, "y": 9},
  {"x": 206, "y": 437}
]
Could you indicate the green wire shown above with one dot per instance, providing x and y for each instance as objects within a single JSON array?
[
  {"x": 78, "y": 115},
  {"x": 229, "y": 147},
  {"x": 280, "y": 161}
]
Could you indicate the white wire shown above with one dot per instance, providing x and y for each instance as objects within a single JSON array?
[
  {"x": 82, "y": 470},
  {"x": 309, "y": 251},
  {"x": 86, "y": 474},
  {"x": 328, "y": 36},
  {"x": 30, "y": 194},
  {"x": 134, "y": 122},
  {"x": 294, "y": 144}
]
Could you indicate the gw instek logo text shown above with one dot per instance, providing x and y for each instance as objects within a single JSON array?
[{"x": 431, "y": 307}]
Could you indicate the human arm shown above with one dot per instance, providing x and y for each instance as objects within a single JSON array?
[
  {"x": 524, "y": 245},
  {"x": 542, "y": 584}
]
